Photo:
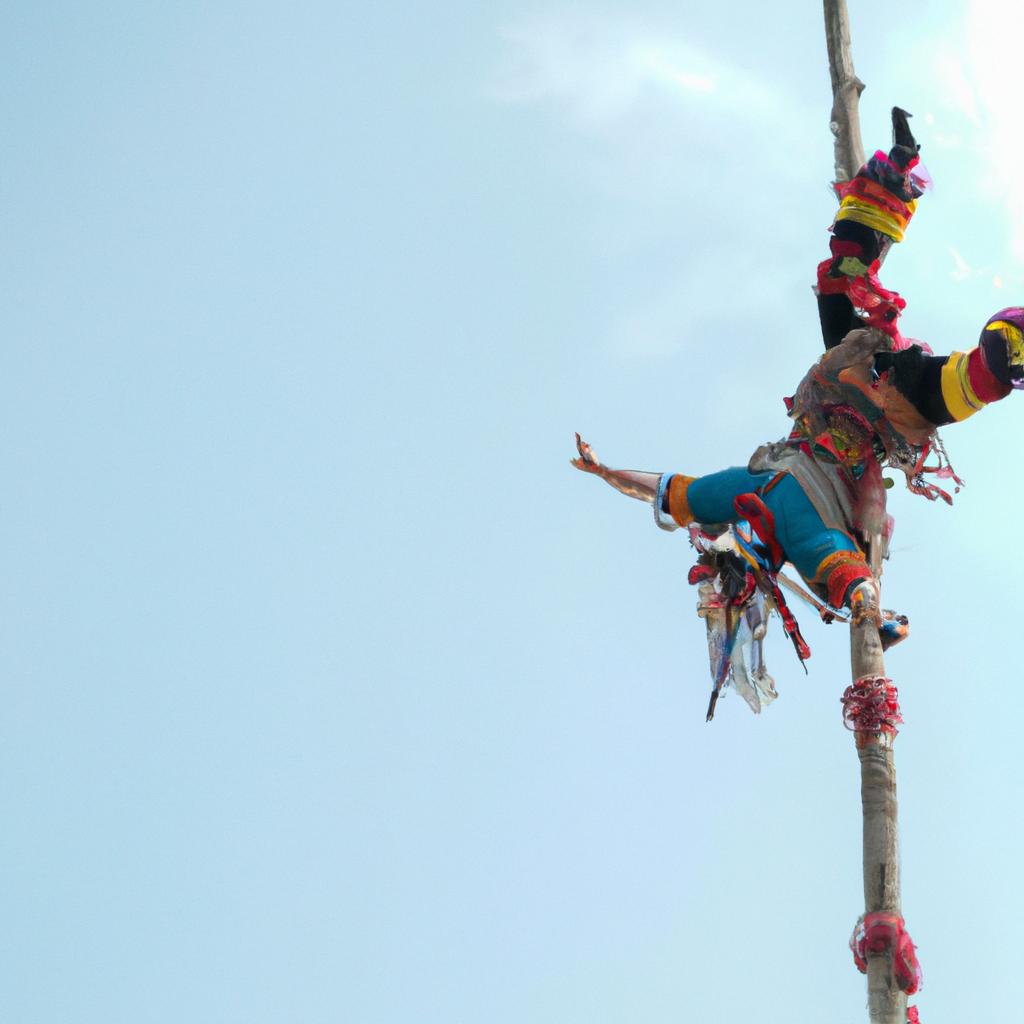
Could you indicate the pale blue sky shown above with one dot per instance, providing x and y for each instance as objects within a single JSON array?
[{"x": 331, "y": 693}]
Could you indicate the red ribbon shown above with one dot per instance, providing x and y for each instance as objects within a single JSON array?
[
  {"x": 871, "y": 704},
  {"x": 880, "y": 932}
]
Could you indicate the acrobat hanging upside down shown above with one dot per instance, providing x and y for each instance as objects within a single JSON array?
[{"x": 816, "y": 499}]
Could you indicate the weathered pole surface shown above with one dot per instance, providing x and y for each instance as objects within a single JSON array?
[
  {"x": 846, "y": 90},
  {"x": 887, "y": 1004}
]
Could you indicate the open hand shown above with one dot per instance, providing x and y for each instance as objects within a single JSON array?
[{"x": 588, "y": 461}]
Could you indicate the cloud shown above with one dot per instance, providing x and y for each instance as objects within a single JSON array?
[
  {"x": 601, "y": 71},
  {"x": 695, "y": 304},
  {"x": 955, "y": 84},
  {"x": 597, "y": 71},
  {"x": 687, "y": 139},
  {"x": 962, "y": 270}
]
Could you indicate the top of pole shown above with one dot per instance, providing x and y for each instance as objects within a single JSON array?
[{"x": 846, "y": 90}]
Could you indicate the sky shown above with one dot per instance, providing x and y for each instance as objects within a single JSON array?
[{"x": 330, "y": 692}]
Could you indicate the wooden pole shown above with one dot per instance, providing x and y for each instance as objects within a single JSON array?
[
  {"x": 886, "y": 1003},
  {"x": 846, "y": 90}
]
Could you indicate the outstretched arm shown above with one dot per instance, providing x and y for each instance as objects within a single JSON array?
[{"x": 642, "y": 486}]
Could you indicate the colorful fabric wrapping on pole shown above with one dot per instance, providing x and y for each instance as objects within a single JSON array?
[
  {"x": 881, "y": 932},
  {"x": 871, "y": 704}
]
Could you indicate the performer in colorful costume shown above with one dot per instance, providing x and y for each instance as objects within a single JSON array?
[{"x": 816, "y": 499}]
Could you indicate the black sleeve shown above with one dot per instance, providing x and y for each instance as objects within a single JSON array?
[{"x": 918, "y": 377}]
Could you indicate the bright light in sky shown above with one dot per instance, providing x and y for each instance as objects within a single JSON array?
[{"x": 993, "y": 49}]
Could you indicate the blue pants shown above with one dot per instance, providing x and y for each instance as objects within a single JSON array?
[{"x": 803, "y": 537}]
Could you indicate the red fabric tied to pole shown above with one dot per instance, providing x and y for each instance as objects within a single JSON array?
[
  {"x": 871, "y": 704},
  {"x": 880, "y": 932},
  {"x": 913, "y": 1017}
]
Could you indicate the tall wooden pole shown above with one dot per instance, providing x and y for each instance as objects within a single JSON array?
[{"x": 887, "y": 1004}]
